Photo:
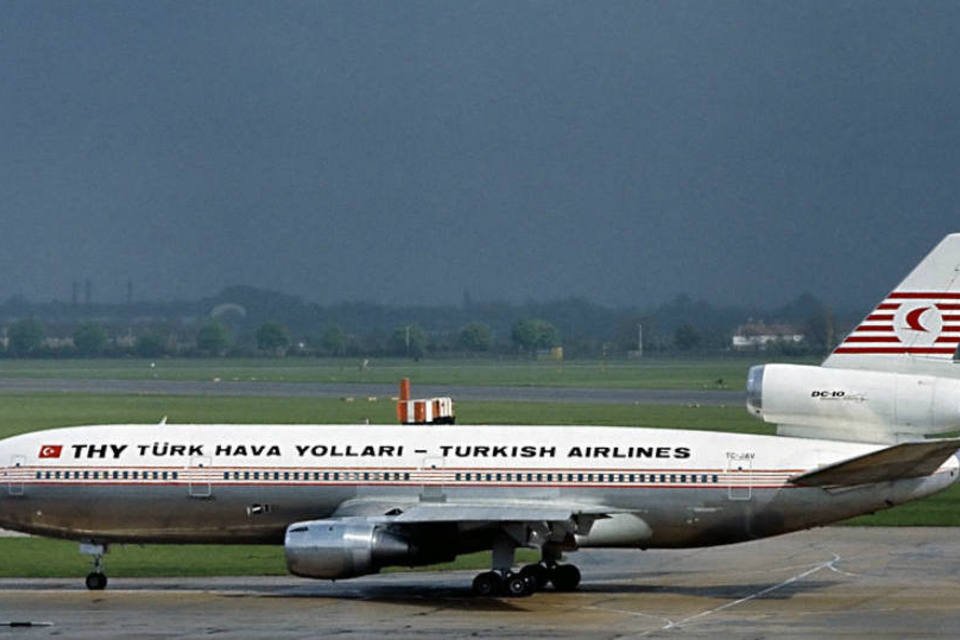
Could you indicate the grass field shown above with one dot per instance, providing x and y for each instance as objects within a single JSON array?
[
  {"x": 647, "y": 374},
  {"x": 38, "y": 557},
  {"x": 28, "y": 412}
]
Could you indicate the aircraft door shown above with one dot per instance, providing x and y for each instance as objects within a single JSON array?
[
  {"x": 199, "y": 478},
  {"x": 739, "y": 476},
  {"x": 14, "y": 474},
  {"x": 431, "y": 470}
]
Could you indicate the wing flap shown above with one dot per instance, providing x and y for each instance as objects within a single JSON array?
[{"x": 901, "y": 461}]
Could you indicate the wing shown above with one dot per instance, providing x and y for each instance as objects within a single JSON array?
[
  {"x": 527, "y": 522},
  {"x": 366, "y": 534}
]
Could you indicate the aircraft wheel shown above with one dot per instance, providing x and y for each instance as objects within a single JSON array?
[
  {"x": 488, "y": 584},
  {"x": 518, "y": 586},
  {"x": 538, "y": 573},
  {"x": 565, "y": 577},
  {"x": 96, "y": 581}
]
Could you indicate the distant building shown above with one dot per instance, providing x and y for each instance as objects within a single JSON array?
[
  {"x": 51, "y": 342},
  {"x": 127, "y": 341},
  {"x": 758, "y": 335}
]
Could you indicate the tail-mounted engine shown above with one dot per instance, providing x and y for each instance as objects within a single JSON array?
[{"x": 852, "y": 404}]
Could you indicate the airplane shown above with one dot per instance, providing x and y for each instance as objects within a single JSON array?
[{"x": 350, "y": 500}]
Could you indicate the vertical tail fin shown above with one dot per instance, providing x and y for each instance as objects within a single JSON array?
[{"x": 916, "y": 328}]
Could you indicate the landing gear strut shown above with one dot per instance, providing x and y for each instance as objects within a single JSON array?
[{"x": 96, "y": 579}]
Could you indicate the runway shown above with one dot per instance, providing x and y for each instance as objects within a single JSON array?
[
  {"x": 705, "y": 397},
  {"x": 833, "y": 582}
]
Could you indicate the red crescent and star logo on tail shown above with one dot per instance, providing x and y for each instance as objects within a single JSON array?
[
  {"x": 909, "y": 323},
  {"x": 913, "y": 318},
  {"x": 51, "y": 450}
]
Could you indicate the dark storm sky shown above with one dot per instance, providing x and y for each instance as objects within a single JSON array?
[{"x": 408, "y": 151}]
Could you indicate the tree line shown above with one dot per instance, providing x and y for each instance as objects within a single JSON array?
[
  {"x": 244, "y": 321},
  {"x": 27, "y": 338}
]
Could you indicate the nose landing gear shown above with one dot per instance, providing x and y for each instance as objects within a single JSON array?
[{"x": 96, "y": 579}]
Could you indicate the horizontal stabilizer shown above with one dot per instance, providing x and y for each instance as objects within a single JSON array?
[{"x": 907, "y": 460}]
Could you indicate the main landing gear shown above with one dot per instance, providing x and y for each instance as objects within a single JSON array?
[
  {"x": 96, "y": 579},
  {"x": 527, "y": 581},
  {"x": 502, "y": 580}
]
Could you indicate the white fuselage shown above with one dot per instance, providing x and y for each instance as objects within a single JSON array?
[{"x": 247, "y": 483}]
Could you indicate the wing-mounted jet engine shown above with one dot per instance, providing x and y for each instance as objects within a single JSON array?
[{"x": 345, "y": 548}]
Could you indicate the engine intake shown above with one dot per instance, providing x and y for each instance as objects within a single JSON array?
[{"x": 342, "y": 548}]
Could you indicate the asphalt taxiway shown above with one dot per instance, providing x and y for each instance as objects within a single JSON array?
[{"x": 834, "y": 582}]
